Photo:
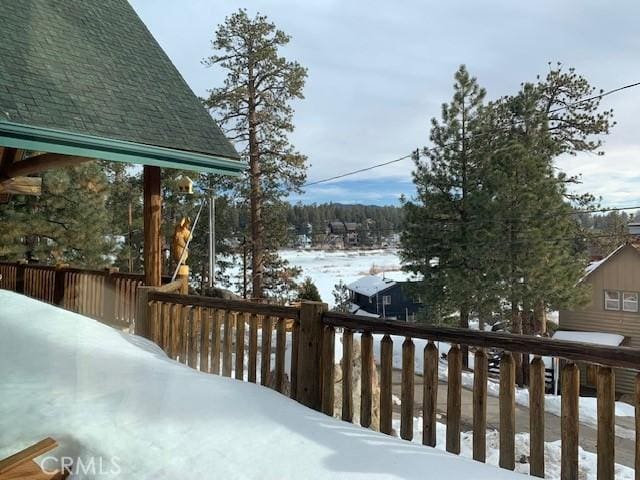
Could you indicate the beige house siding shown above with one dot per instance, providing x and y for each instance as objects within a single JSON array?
[{"x": 620, "y": 272}]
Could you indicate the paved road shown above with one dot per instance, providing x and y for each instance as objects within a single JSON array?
[{"x": 588, "y": 435}]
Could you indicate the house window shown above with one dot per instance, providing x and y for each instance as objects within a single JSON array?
[
  {"x": 386, "y": 299},
  {"x": 630, "y": 301},
  {"x": 611, "y": 300}
]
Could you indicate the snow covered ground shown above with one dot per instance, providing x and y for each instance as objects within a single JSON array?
[
  {"x": 587, "y": 462},
  {"x": 122, "y": 409}
]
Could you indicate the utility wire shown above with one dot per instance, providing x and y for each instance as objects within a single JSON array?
[{"x": 417, "y": 153}]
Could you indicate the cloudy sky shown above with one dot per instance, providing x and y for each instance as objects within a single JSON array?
[{"x": 379, "y": 70}]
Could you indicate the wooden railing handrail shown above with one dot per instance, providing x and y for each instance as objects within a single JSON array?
[
  {"x": 233, "y": 305},
  {"x": 621, "y": 357}
]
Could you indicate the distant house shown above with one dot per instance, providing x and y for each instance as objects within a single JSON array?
[
  {"x": 384, "y": 295},
  {"x": 343, "y": 234},
  {"x": 614, "y": 304}
]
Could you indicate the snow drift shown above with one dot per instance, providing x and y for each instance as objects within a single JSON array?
[{"x": 112, "y": 397}]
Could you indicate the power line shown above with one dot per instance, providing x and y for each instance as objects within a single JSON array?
[{"x": 425, "y": 149}]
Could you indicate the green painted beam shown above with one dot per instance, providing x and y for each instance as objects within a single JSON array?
[{"x": 27, "y": 137}]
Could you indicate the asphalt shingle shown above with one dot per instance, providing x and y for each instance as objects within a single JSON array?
[{"x": 92, "y": 67}]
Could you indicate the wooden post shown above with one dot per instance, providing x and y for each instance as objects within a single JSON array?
[
  {"x": 454, "y": 400},
  {"x": 480, "y": 406},
  {"x": 309, "y": 392},
  {"x": 507, "y": 411},
  {"x": 58, "y": 285},
  {"x": 20, "y": 268},
  {"x": 406, "y": 390},
  {"x": 637, "y": 459},
  {"x": 241, "y": 322},
  {"x": 141, "y": 324},
  {"x": 227, "y": 344},
  {"x": 347, "y": 375},
  {"x": 152, "y": 224},
  {"x": 205, "y": 331},
  {"x": 253, "y": 349},
  {"x": 386, "y": 369},
  {"x": 215, "y": 342},
  {"x": 109, "y": 295},
  {"x": 430, "y": 394},
  {"x": 606, "y": 423},
  {"x": 569, "y": 421},
  {"x": 366, "y": 368},
  {"x": 328, "y": 367},
  {"x": 536, "y": 417},
  {"x": 295, "y": 337},
  {"x": 265, "y": 350},
  {"x": 281, "y": 340}
]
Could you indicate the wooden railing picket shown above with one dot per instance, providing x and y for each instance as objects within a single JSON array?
[
  {"x": 253, "y": 348},
  {"x": 386, "y": 368},
  {"x": 347, "y": 375},
  {"x": 166, "y": 327},
  {"x": 480, "y": 372},
  {"x": 295, "y": 336},
  {"x": 227, "y": 345},
  {"x": 175, "y": 315},
  {"x": 407, "y": 387},
  {"x": 606, "y": 423},
  {"x": 194, "y": 336},
  {"x": 429, "y": 394},
  {"x": 328, "y": 368},
  {"x": 265, "y": 351},
  {"x": 205, "y": 334},
  {"x": 366, "y": 383},
  {"x": 569, "y": 421},
  {"x": 281, "y": 346},
  {"x": 507, "y": 411},
  {"x": 241, "y": 321},
  {"x": 215, "y": 341},
  {"x": 536, "y": 417},
  {"x": 454, "y": 400}
]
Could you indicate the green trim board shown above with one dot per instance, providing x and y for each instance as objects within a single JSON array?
[{"x": 26, "y": 137}]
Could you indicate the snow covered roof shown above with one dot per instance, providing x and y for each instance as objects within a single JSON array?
[
  {"x": 372, "y": 284},
  {"x": 593, "y": 266},
  {"x": 118, "y": 398},
  {"x": 597, "y": 338},
  {"x": 356, "y": 310}
]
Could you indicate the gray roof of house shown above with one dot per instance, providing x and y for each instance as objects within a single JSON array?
[{"x": 92, "y": 67}]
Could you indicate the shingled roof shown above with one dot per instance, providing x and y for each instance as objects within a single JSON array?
[{"x": 90, "y": 68}]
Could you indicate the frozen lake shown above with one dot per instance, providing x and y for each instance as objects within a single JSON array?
[{"x": 327, "y": 268}]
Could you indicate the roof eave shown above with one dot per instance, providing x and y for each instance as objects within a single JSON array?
[{"x": 28, "y": 137}]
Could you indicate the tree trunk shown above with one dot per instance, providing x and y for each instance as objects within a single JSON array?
[
  {"x": 257, "y": 245},
  {"x": 464, "y": 323},
  {"x": 539, "y": 318}
]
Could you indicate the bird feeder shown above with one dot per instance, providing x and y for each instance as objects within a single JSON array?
[{"x": 185, "y": 185}]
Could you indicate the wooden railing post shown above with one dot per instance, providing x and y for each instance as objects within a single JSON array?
[
  {"x": 58, "y": 284},
  {"x": 20, "y": 268},
  {"x": 569, "y": 421},
  {"x": 309, "y": 392},
  {"x": 109, "y": 295},
  {"x": 141, "y": 324}
]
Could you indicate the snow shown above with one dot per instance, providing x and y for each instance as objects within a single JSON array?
[
  {"x": 587, "y": 462},
  {"x": 105, "y": 394},
  {"x": 326, "y": 268},
  {"x": 597, "y": 338},
  {"x": 371, "y": 284}
]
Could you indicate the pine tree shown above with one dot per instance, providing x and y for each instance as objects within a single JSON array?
[
  {"x": 254, "y": 108},
  {"x": 68, "y": 223},
  {"x": 308, "y": 291},
  {"x": 341, "y": 297},
  {"x": 442, "y": 222}
]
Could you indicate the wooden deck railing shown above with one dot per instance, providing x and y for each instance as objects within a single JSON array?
[
  {"x": 106, "y": 295},
  {"x": 236, "y": 339},
  {"x": 209, "y": 335}
]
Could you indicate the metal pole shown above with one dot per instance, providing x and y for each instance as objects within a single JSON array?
[{"x": 212, "y": 237}]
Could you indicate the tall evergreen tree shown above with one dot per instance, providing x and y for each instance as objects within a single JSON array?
[
  {"x": 254, "y": 107},
  {"x": 442, "y": 221}
]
